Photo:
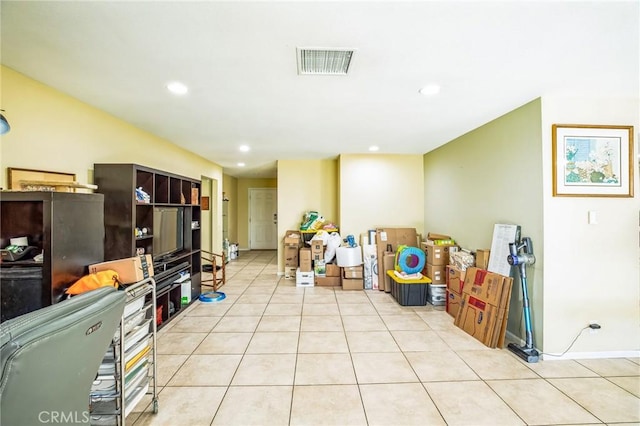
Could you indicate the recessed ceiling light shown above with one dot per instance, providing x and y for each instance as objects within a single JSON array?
[
  {"x": 241, "y": 164},
  {"x": 177, "y": 88},
  {"x": 373, "y": 148},
  {"x": 244, "y": 148},
  {"x": 430, "y": 90}
]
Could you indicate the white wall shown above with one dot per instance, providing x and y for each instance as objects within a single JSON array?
[{"x": 591, "y": 271}]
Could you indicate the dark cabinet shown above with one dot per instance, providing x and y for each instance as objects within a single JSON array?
[
  {"x": 68, "y": 228},
  {"x": 149, "y": 211}
]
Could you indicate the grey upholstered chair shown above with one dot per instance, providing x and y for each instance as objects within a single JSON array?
[{"x": 50, "y": 358}]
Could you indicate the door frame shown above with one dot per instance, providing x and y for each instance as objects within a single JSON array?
[{"x": 250, "y": 224}]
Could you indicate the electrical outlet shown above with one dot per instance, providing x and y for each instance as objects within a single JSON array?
[{"x": 594, "y": 330}]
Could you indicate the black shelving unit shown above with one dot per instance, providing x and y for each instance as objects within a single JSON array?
[{"x": 124, "y": 212}]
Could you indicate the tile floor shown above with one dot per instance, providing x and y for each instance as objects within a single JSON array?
[{"x": 273, "y": 354}]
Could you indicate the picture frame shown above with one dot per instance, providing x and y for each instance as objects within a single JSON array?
[
  {"x": 592, "y": 160},
  {"x": 21, "y": 179}
]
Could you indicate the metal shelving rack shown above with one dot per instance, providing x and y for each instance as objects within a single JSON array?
[{"x": 129, "y": 368}]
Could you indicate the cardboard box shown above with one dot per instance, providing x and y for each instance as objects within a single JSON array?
[
  {"x": 304, "y": 256},
  {"x": 304, "y": 279},
  {"x": 479, "y": 318},
  {"x": 352, "y": 272},
  {"x": 388, "y": 261},
  {"x": 488, "y": 286},
  {"x": 130, "y": 270},
  {"x": 292, "y": 238},
  {"x": 437, "y": 254},
  {"x": 432, "y": 236},
  {"x": 454, "y": 301},
  {"x": 290, "y": 273},
  {"x": 317, "y": 250},
  {"x": 195, "y": 196},
  {"x": 291, "y": 256},
  {"x": 332, "y": 270},
  {"x": 437, "y": 273},
  {"x": 352, "y": 283},
  {"x": 327, "y": 281},
  {"x": 388, "y": 239},
  {"x": 482, "y": 258},
  {"x": 455, "y": 279}
]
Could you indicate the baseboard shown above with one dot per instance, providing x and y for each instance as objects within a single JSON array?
[{"x": 575, "y": 355}]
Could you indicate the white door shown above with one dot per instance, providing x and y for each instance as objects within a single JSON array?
[{"x": 263, "y": 220}]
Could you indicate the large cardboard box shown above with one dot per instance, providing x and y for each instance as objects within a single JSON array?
[
  {"x": 482, "y": 258},
  {"x": 130, "y": 270},
  {"x": 317, "y": 250},
  {"x": 479, "y": 319},
  {"x": 437, "y": 273},
  {"x": 455, "y": 279},
  {"x": 488, "y": 286},
  {"x": 389, "y": 261},
  {"x": 291, "y": 256},
  {"x": 352, "y": 272},
  {"x": 437, "y": 254},
  {"x": 327, "y": 281},
  {"x": 305, "y": 259},
  {"x": 292, "y": 238},
  {"x": 332, "y": 270},
  {"x": 388, "y": 239},
  {"x": 352, "y": 283},
  {"x": 454, "y": 301}
]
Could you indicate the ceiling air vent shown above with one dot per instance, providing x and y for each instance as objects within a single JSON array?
[{"x": 324, "y": 61}]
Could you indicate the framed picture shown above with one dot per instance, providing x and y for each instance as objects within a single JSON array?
[
  {"x": 592, "y": 161},
  {"x": 35, "y": 180}
]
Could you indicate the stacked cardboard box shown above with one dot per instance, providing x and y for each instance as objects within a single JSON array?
[
  {"x": 388, "y": 240},
  {"x": 352, "y": 278},
  {"x": 292, "y": 242},
  {"x": 437, "y": 249},
  {"x": 485, "y": 306},
  {"x": 455, "y": 284}
]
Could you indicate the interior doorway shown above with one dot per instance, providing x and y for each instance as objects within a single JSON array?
[
  {"x": 263, "y": 219},
  {"x": 210, "y": 234}
]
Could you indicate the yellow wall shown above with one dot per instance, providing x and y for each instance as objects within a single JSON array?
[
  {"x": 243, "y": 207},
  {"x": 378, "y": 190},
  {"x": 230, "y": 189},
  {"x": 492, "y": 175},
  {"x": 53, "y": 131}
]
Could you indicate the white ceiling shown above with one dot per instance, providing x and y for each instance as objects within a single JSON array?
[{"x": 239, "y": 61}]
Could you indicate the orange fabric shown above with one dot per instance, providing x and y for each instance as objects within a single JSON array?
[{"x": 89, "y": 282}]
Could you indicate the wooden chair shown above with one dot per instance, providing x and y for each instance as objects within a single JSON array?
[{"x": 216, "y": 268}]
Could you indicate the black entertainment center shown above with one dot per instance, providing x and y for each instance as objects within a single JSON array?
[{"x": 149, "y": 211}]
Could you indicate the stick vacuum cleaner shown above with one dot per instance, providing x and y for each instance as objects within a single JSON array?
[{"x": 526, "y": 352}]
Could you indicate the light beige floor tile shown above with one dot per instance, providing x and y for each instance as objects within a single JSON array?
[
  {"x": 255, "y": 405},
  {"x": 246, "y": 309},
  {"x": 320, "y": 309},
  {"x": 321, "y": 323},
  {"x": 324, "y": 369},
  {"x": 612, "y": 366},
  {"x": 602, "y": 398},
  {"x": 411, "y": 322},
  {"x": 206, "y": 370},
  {"x": 283, "y": 309},
  {"x": 635, "y": 360},
  {"x": 459, "y": 340},
  {"x": 419, "y": 341},
  {"x": 288, "y": 287},
  {"x": 496, "y": 364},
  {"x": 179, "y": 343},
  {"x": 262, "y": 291},
  {"x": 363, "y": 323},
  {"x": 347, "y": 296},
  {"x": 176, "y": 406},
  {"x": 470, "y": 403},
  {"x": 265, "y": 369},
  {"x": 558, "y": 408},
  {"x": 631, "y": 384},
  {"x": 322, "y": 342},
  {"x": 390, "y": 309},
  {"x": 286, "y": 298},
  {"x": 253, "y": 298},
  {"x": 224, "y": 343},
  {"x": 167, "y": 367},
  {"x": 276, "y": 342},
  {"x": 194, "y": 324},
  {"x": 371, "y": 341},
  {"x": 327, "y": 405},
  {"x": 214, "y": 309},
  {"x": 237, "y": 324},
  {"x": 321, "y": 298},
  {"x": 440, "y": 366},
  {"x": 411, "y": 405},
  {"x": 390, "y": 367},
  {"x": 559, "y": 368},
  {"x": 356, "y": 309},
  {"x": 438, "y": 320},
  {"x": 279, "y": 323}
]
